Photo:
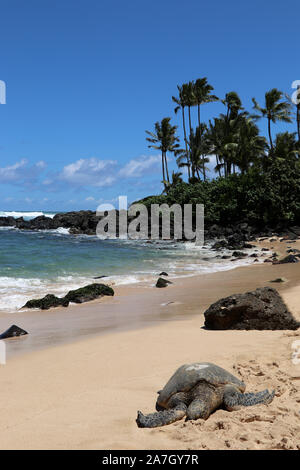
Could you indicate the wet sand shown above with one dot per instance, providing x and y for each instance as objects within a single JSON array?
[
  {"x": 138, "y": 306},
  {"x": 85, "y": 395}
]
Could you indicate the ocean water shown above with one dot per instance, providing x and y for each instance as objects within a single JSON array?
[{"x": 33, "y": 264}]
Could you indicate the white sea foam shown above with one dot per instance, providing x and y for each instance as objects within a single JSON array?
[
  {"x": 14, "y": 292},
  {"x": 59, "y": 230},
  {"x": 177, "y": 259},
  {"x": 25, "y": 214}
]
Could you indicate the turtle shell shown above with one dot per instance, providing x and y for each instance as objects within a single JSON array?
[{"x": 187, "y": 376}]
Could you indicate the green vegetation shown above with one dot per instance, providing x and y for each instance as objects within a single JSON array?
[{"x": 257, "y": 179}]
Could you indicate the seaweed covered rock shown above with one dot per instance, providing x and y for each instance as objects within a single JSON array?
[
  {"x": 161, "y": 282},
  {"x": 262, "y": 309},
  {"x": 47, "y": 302},
  {"x": 239, "y": 254},
  {"x": 12, "y": 332},
  {"x": 287, "y": 259},
  {"x": 87, "y": 293}
]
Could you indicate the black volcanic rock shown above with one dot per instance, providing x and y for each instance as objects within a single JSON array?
[
  {"x": 262, "y": 309},
  {"x": 83, "y": 294},
  {"x": 161, "y": 282},
  {"x": 87, "y": 293},
  {"x": 12, "y": 332},
  {"x": 7, "y": 221},
  {"x": 78, "y": 222},
  {"x": 42, "y": 223},
  {"x": 239, "y": 254},
  {"x": 288, "y": 259},
  {"x": 47, "y": 302}
]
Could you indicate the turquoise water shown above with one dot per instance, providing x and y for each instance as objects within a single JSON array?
[{"x": 33, "y": 264}]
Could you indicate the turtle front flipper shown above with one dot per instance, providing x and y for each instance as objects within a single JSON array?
[
  {"x": 233, "y": 398},
  {"x": 161, "y": 418}
]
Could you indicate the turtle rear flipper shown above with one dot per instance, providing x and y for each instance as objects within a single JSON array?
[
  {"x": 233, "y": 399},
  {"x": 160, "y": 418},
  {"x": 250, "y": 399}
]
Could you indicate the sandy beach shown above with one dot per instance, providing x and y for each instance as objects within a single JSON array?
[{"x": 78, "y": 379}]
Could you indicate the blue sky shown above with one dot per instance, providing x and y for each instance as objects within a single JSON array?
[{"x": 86, "y": 78}]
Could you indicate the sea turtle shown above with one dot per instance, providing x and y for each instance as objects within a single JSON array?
[{"x": 195, "y": 391}]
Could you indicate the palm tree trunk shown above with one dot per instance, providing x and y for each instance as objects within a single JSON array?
[
  {"x": 166, "y": 167},
  {"x": 218, "y": 162},
  {"x": 298, "y": 121},
  {"x": 204, "y": 172},
  {"x": 190, "y": 126},
  {"x": 270, "y": 135},
  {"x": 199, "y": 124},
  {"x": 185, "y": 141},
  {"x": 190, "y": 121},
  {"x": 163, "y": 168}
]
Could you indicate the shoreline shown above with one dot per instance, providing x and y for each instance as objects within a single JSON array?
[
  {"x": 125, "y": 263},
  {"x": 84, "y": 393},
  {"x": 137, "y": 305}
]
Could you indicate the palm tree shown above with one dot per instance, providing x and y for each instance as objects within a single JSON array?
[
  {"x": 250, "y": 146},
  {"x": 202, "y": 94},
  {"x": 275, "y": 110},
  {"x": 181, "y": 103},
  {"x": 190, "y": 100},
  {"x": 164, "y": 139},
  {"x": 176, "y": 179},
  {"x": 227, "y": 126},
  {"x": 286, "y": 146},
  {"x": 233, "y": 104},
  {"x": 296, "y": 101},
  {"x": 216, "y": 135},
  {"x": 198, "y": 148}
]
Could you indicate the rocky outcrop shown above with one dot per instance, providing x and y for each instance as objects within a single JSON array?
[
  {"x": 161, "y": 282},
  {"x": 87, "y": 293},
  {"x": 12, "y": 332},
  {"x": 237, "y": 236},
  {"x": 78, "y": 296},
  {"x": 7, "y": 221},
  {"x": 287, "y": 259},
  {"x": 84, "y": 222},
  {"x": 262, "y": 309},
  {"x": 49, "y": 301}
]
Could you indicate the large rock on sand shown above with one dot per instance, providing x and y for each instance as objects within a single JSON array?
[
  {"x": 12, "y": 332},
  {"x": 262, "y": 309},
  {"x": 78, "y": 296},
  {"x": 161, "y": 282},
  {"x": 87, "y": 293},
  {"x": 287, "y": 259},
  {"x": 49, "y": 301}
]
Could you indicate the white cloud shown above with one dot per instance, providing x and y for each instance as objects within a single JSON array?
[
  {"x": 21, "y": 171},
  {"x": 41, "y": 164},
  {"x": 89, "y": 172},
  {"x": 12, "y": 172},
  {"x": 138, "y": 167}
]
